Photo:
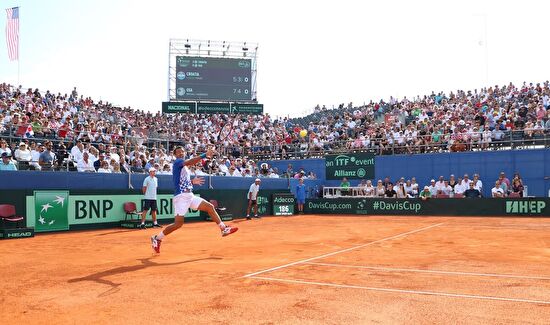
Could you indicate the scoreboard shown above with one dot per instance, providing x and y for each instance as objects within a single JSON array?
[{"x": 209, "y": 78}]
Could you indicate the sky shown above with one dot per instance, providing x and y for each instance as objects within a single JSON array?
[{"x": 310, "y": 52}]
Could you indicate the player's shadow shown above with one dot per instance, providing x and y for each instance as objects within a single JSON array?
[
  {"x": 99, "y": 277},
  {"x": 116, "y": 232}
]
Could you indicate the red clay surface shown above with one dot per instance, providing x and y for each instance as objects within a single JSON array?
[{"x": 393, "y": 270}]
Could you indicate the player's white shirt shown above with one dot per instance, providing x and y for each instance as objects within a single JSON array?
[{"x": 253, "y": 191}]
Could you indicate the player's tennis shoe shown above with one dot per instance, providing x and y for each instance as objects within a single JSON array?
[
  {"x": 155, "y": 243},
  {"x": 229, "y": 230}
]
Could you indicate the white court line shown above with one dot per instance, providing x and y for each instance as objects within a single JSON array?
[
  {"x": 390, "y": 269},
  {"x": 429, "y": 293},
  {"x": 343, "y": 250}
]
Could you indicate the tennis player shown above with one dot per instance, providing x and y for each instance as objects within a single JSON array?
[
  {"x": 185, "y": 199},
  {"x": 252, "y": 197}
]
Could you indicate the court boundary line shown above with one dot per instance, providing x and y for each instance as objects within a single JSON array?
[
  {"x": 417, "y": 292},
  {"x": 390, "y": 269},
  {"x": 344, "y": 250}
]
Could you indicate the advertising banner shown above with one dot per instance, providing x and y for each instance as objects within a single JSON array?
[{"x": 351, "y": 166}]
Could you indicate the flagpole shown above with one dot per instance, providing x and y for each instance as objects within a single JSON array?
[{"x": 18, "y": 47}]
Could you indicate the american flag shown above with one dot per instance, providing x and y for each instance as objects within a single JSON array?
[{"x": 12, "y": 33}]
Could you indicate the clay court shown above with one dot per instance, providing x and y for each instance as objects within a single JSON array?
[{"x": 286, "y": 270}]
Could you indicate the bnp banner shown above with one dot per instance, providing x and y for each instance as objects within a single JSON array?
[
  {"x": 57, "y": 210},
  {"x": 351, "y": 166},
  {"x": 51, "y": 210}
]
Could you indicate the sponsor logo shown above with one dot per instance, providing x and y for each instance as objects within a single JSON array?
[
  {"x": 51, "y": 210},
  {"x": 397, "y": 206},
  {"x": 283, "y": 199},
  {"x": 329, "y": 206},
  {"x": 533, "y": 207},
  {"x": 244, "y": 64},
  {"x": 182, "y": 62},
  {"x": 19, "y": 234},
  {"x": 181, "y": 91},
  {"x": 181, "y": 75}
]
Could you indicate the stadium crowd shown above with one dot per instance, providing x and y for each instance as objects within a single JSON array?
[
  {"x": 458, "y": 187},
  {"x": 69, "y": 131}
]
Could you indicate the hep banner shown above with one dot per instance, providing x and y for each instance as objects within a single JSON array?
[{"x": 351, "y": 166}]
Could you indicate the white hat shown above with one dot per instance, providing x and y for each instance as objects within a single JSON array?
[
  {"x": 152, "y": 169},
  {"x": 257, "y": 180}
]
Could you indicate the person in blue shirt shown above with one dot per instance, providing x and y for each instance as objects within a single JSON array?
[
  {"x": 6, "y": 163},
  {"x": 185, "y": 199},
  {"x": 301, "y": 195}
]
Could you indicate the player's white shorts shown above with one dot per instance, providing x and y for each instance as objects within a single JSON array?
[{"x": 182, "y": 202}]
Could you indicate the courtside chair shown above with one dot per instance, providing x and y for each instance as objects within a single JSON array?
[
  {"x": 131, "y": 210},
  {"x": 7, "y": 214}
]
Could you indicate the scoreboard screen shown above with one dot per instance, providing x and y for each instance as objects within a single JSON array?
[{"x": 200, "y": 78}]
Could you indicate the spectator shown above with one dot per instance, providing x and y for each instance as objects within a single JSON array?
[
  {"x": 47, "y": 157},
  {"x": 440, "y": 184},
  {"x": 36, "y": 151},
  {"x": 401, "y": 193},
  {"x": 380, "y": 190},
  {"x": 414, "y": 186},
  {"x": 4, "y": 147},
  {"x": 497, "y": 190},
  {"x": 98, "y": 163},
  {"x": 452, "y": 182},
  {"x": 7, "y": 164},
  {"x": 104, "y": 167},
  {"x": 446, "y": 189},
  {"x": 390, "y": 192},
  {"x": 433, "y": 188},
  {"x": 517, "y": 186},
  {"x": 86, "y": 165},
  {"x": 233, "y": 172},
  {"x": 425, "y": 194},
  {"x": 23, "y": 154},
  {"x": 472, "y": 192},
  {"x": 409, "y": 189},
  {"x": 478, "y": 184},
  {"x": 369, "y": 189},
  {"x": 503, "y": 179},
  {"x": 459, "y": 188}
]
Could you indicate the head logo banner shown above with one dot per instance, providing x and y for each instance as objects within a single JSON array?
[{"x": 51, "y": 210}]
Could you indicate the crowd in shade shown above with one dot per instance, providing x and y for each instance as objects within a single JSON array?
[
  {"x": 57, "y": 131},
  {"x": 453, "y": 186}
]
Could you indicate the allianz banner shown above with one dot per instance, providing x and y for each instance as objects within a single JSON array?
[
  {"x": 534, "y": 207},
  {"x": 351, "y": 166}
]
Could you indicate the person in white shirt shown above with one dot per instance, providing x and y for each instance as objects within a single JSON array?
[
  {"x": 36, "y": 150},
  {"x": 77, "y": 151},
  {"x": 85, "y": 164},
  {"x": 446, "y": 188},
  {"x": 409, "y": 189},
  {"x": 369, "y": 189},
  {"x": 433, "y": 188},
  {"x": 273, "y": 173},
  {"x": 497, "y": 191},
  {"x": 478, "y": 184},
  {"x": 466, "y": 182},
  {"x": 150, "y": 185},
  {"x": 459, "y": 187},
  {"x": 440, "y": 184},
  {"x": 233, "y": 172},
  {"x": 252, "y": 198},
  {"x": 22, "y": 153},
  {"x": 104, "y": 167}
]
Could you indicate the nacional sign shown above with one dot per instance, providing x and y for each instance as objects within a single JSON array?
[{"x": 351, "y": 166}]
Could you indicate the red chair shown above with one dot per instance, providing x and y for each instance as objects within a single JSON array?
[
  {"x": 459, "y": 196},
  {"x": 217, "y": 206},
  {"x": 442, "y": 196},
  {"x": 7, "y": 213},
  {"x": 131, "y": 210},
  {"x": 514, "y": 194}
]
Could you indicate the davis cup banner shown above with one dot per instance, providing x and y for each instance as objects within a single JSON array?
[{"x": 351, "y": 166}]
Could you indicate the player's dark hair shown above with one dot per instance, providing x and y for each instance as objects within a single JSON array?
[{"x": 176, "y": 148}]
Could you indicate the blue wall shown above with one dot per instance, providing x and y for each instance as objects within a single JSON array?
[{"x": 533, "y": 165}]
